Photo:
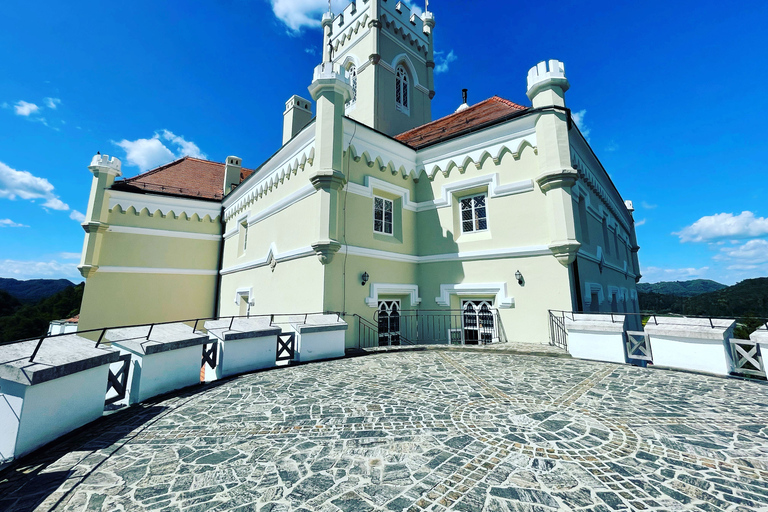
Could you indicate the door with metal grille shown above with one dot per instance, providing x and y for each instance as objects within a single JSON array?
[
  {"x": 477, "y": 318},
  {"x": 389, "y": 322}
]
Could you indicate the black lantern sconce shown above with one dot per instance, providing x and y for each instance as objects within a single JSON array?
[
  {"x": 519, "y": 278},
  {"x": 365, "y": 277}
]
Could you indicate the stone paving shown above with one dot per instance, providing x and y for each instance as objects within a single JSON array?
[{"x": 420, "y": 430}]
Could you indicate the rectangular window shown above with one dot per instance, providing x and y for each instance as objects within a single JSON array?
[
  {"x": 473, "y": 214},
  {"x": 243, "y": 237},
  {"x": 382, "y": 215}
]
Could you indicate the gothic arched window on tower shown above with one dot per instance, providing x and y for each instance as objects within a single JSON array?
[
  {"x": 352, "y": 75},
  {"x": 401, "y": 90}
]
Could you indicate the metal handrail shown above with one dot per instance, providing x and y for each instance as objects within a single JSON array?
[
  {"x": 103, "y": 330},
  {"x": 654, "y": 316}
]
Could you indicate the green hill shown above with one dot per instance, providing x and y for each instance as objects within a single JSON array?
[
  {"x": 19, "y": 321},
  {"x": 33, "y": 290},
  {"x": 681, "y": 288}
]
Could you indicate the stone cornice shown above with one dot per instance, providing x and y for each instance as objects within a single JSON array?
[{"x": 557, "y": 179}]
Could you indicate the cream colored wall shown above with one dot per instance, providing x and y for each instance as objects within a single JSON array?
[
  {"x": 142, "y": 295},
  {"x": 113, "y": 299}
]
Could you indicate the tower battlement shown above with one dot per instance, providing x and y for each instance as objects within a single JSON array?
[
  {"x": 392, "y": 11},
  {"x": 107, "y": 161},
  {"x": 545, "y": 75}
]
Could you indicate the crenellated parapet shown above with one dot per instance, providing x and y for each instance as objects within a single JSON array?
[
  {"x": 546, "y": 75},
  {"x": 106, "y": 163}
]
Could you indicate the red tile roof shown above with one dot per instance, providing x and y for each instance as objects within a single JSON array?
[
  {"x": 186, "y": 177},
  {"x": 483, "y": 114}
]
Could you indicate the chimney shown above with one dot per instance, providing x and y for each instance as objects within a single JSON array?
[
  {"x": 464, "y": 105},
  {"x": 232, "y": 169},
  {"x": 297, "y": 115}
]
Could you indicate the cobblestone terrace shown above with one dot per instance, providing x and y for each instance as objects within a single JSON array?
[{"x": 430, "y": 430}]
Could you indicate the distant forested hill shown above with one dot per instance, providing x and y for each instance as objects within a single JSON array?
[
  {"x": 19, "y": 321},
  {"x": 33, "y": 290},
  {"x": 746, "y": 301},
  {"x": 681, "y": 288}
]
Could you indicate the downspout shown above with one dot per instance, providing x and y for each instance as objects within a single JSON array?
[{"x": 217, "y": 297}]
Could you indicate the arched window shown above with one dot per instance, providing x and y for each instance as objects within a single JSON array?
[
  {"x": 401, "y": 90},
  {"x": 352, "y": 75}
]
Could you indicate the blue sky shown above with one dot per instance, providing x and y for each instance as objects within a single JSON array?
[{"x": 671, "y": 95}]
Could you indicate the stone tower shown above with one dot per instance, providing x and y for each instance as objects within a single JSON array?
[{"x": 387, "y": 53}]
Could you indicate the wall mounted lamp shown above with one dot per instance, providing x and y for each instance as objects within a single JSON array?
[
  {"x": 519, "y": 277},
  {"x": 365, "y": 278}
]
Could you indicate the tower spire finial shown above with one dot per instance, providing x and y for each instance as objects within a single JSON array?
[
  {"x": 329, "y": 5},
  {"x": 426, "y": 5}
]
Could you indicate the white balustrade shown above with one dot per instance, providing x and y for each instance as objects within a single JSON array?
[
  {"x": 164, "y": 359},
  {"x": 599, "y": 337},
  {"x": 61, "y": 390},
  {"x": 244, "y": 345},
  {"x": 697, "y": 344},
  {"x": 319, "y": 337}
]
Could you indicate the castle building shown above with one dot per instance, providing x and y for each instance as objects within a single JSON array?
[{"x": 498, "y": 206}]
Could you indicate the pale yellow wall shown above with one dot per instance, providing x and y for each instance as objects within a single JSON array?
[
  {"x": 113, "y": 299},
  {"x": 295, "y": 286},
  {"x": 141, "y": 295}
]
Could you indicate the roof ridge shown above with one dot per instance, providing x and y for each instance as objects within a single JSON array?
[
  {"x": 155, "y": 170},
  {"x": 496, "y": 98}
]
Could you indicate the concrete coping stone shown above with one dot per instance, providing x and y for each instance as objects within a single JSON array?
[
  {"x": 242, "y": 328},
  {"x": 317, "y": 323},
  {"x": 694, "y": 328},
  {"x": 760, "y": 336},
  {"x": 595, "y": 323},
  {"x": 58, "y": 357},
  {"x": 164, "y": 338}
]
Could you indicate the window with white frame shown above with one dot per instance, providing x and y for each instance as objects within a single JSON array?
[
  {"x": 382, "y": 215},
  {"x": 402, "y": 90},
  {"x": 352, "y": 75},
  {"x": 473, "y": 214},
  {"x": 243, "y": 236}
]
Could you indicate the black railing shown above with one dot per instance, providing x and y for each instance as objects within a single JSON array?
[
  {"x": 558, "y": 335},
  {"x": 99, "y": 334},
  {"x": 430, "y": 327}
]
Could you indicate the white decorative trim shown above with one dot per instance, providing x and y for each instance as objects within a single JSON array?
[
  {"x": 303, "y": 193},
  {"x": 295, "y": 155},
  {"x": 163, "y": 232},
  {"x": 165, "y": 204},
  {"x": 490, "y": 180},
  {"x": 392, "y": 289},
  {"x": 488, "y": 254},
  {"x": 633, "y": 294},
  {"x": 593, "y": 287},
  {"x": 302, "y": 252},
  {"x": 240, "y": 292},
  {"x": 153, "y": 270},
  {"x": 499, "y": 290}
]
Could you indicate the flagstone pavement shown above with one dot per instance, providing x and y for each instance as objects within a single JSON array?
[{"x": 430, "y": 430}]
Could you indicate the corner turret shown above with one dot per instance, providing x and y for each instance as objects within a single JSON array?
[
  {"x": 232, "y": 170},
  {"x": 104, "y": 170},
  {"x": 547, "y": 84}
]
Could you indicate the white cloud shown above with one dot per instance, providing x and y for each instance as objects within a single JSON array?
[
  {"x": 52, "y": 103},
  {"x": 724, "y": 225},
  {"x": 184, "y": 147},
  {"x": 751, "y": 253},
  {"x": 70, "y": 255},
  {"x": 25, "y": 185},
  {"x": 25, "y": 109},
  {"x": 38, "y": 269},
  {"x": 656, "y": 274},
  {"x": 297, "y": 14},
  {"x": 578, "y": 118},
  {"x": 640, "y": 223},
  {"x": 443, "y": 63},
  {"x": 611, "y": 147},
  {"x": 647, "y": 205},
  {"x": 8, "y": 223},
  {"x": 150, "y": 153},
  {"x": 76, "y": 215}
]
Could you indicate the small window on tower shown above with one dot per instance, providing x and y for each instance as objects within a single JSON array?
[
  {"x": 401, "y": 90},
  {"x": 352, "y": 75}
]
